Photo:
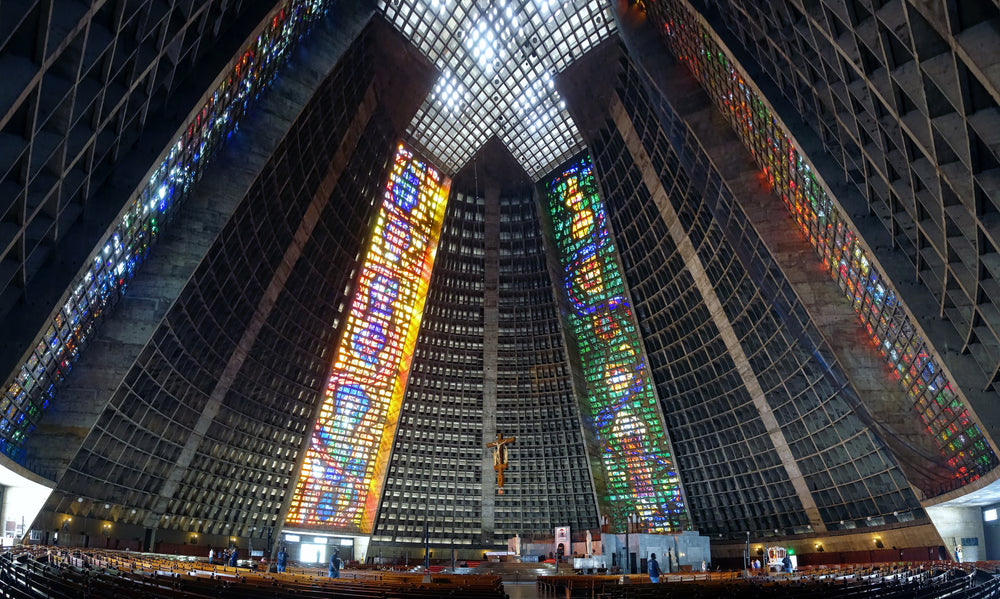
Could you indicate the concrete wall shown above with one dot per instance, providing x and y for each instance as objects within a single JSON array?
[
  {"x": 688, "y": 548},
  {"x": 991, "y": 532},
  {"x": 957, "y": 523},
  {"x": 21, "y": 505},
  {"x": 22, "y": 495},
  {"x": 918, "y": 542}
]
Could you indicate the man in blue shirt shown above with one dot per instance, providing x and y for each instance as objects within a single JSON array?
[
  {"x": 654, "y": 568},
  {"x": 787, "y": 564}
]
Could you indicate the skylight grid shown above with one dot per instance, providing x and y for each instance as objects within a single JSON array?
[
  {"x": 543, "y": 144},
  {"x": 497, "y": 60},
  {"x": 449, "y": 93},
  {"x": 447, "y": 136}
]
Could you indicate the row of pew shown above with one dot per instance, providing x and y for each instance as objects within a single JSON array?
[
  {"x": 84, "y": 574},
  {"x": 916, "y": 581}
]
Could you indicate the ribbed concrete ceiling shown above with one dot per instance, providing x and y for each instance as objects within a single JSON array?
[{"x": 497, "y": 60}]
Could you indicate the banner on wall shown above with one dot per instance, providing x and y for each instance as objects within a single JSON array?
[{"x": 562, "y": 538}]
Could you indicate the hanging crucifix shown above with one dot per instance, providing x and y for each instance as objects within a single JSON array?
[{"x": 500, "y": 457}]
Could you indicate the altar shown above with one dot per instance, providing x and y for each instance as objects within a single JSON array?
[{"x": 590, "y": 565}]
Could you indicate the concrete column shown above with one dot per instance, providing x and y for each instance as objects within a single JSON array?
[{"x": 491, "y": 331}]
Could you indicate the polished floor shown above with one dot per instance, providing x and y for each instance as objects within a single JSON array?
[{"x": 521, "y": 590}]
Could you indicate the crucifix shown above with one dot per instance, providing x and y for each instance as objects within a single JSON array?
[{"x": 500, "y": 457}]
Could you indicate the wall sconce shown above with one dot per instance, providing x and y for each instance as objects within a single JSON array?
[
  {"x": 878, "y": 543},
  {"x": 819, "y": 547},
  {"x": 66, "y": 523}
]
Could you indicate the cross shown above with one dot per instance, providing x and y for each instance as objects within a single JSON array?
[{"x": 500, "y": 457}]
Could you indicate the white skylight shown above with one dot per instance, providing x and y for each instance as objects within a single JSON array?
[
  {"x": 497, "y": 60},
  {"x": 450, "y": 94},
  {"x": 482, "y": 41}
]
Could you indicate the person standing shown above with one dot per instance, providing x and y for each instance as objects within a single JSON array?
[
  {"x": 335, "y": 564},
  {"x": 211, "y": 555},
  {"x": 281, "y": 561},
  {"x": 234, "y": 557},
  {"x": 654, "y": 569},
  {"x": 787, "y": 563}
]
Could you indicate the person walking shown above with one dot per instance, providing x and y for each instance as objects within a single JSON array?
[
  {"x": 281, "y": 561},
  {"x": 787, "y": 563},
  {"x": 654, "y": 569},
  {"x": 335, "y": 564}
]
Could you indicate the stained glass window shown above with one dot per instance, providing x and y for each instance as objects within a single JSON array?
[
  {"x": 342, "y": 475},
  {"x": 635, "y": 450}
]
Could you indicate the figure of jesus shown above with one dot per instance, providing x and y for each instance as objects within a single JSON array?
[{"x": 500, "y": 457}]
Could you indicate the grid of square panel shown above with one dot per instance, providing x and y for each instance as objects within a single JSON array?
[
  {"x": 101, "y": 282},
  {"x": 734, "y": 477},
  {"x": 936, "y": 399},
  {"x": 497, "y": 60},
  {"x": 549, "y": 481},
  {"x": 435, "y": 472},
  {"x": 243, "y": 465},
  {"x": 904, "y": 99}
]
